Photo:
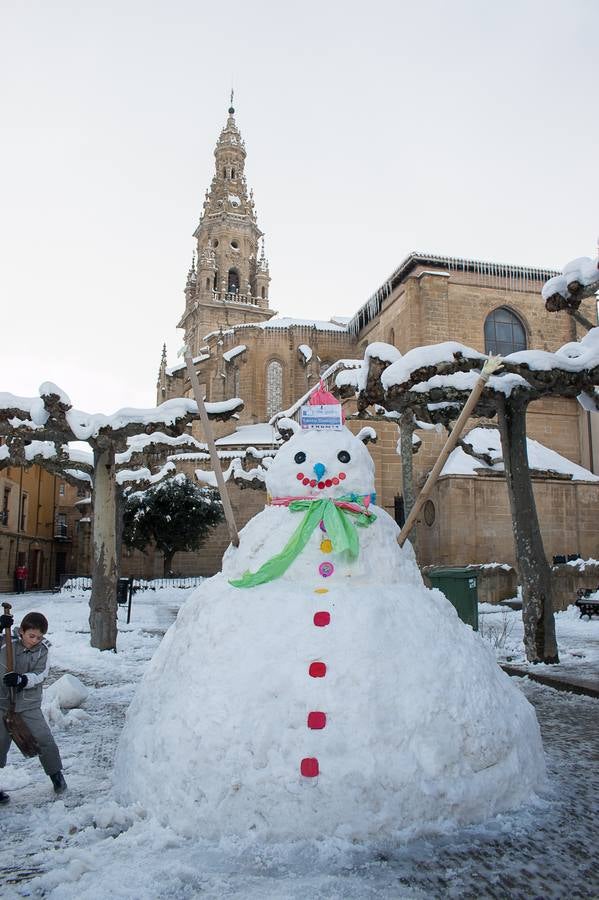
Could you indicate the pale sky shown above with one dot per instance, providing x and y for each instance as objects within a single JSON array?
[{"x": 372, "y": 129}]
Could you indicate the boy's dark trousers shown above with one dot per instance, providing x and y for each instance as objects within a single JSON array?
[{"x": 34, "y": 719}]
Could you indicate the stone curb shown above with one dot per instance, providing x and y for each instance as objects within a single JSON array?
[{"x": 557, "y": 681}]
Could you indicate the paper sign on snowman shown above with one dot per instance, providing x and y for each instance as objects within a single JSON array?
[{"x": 316, "y": 687}]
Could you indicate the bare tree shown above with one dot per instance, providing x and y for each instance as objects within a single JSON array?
[
  {"x": 51, "y": 418},
  {"x": 435, "y": 382}
]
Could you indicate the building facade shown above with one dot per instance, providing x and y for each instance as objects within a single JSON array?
[{"x": 241, "y": 348}]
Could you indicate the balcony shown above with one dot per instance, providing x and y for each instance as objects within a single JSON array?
[{"x": 61, "y": 532}]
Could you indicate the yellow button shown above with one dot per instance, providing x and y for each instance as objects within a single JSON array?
[
  {"x": 326, "y": 546},
  {"x": 321, "y": 590}
]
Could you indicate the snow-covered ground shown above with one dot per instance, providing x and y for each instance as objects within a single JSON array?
[
  {"x": 578, "y": 640},
  {"x": 88, "y": 845}
]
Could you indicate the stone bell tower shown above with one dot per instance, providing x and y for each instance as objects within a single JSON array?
[{"x": 228, "y": 281}]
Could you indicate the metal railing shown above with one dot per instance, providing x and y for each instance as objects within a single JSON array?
[{"x": 84, "y": 583}]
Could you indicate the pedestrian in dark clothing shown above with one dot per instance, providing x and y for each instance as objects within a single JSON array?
[{"x": 30, "y": 654}]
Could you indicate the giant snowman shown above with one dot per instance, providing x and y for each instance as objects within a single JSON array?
[{"x": 316, "y": 688}]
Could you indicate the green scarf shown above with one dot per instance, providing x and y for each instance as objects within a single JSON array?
[{"x": 339, "y": 528}]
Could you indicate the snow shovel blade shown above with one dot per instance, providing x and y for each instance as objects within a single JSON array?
[{"x": 20, "y": 734}]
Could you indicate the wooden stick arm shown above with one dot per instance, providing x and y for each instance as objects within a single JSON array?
[
  {"x": 491, "y": 365},
  {"x": 220, "y": 481}
]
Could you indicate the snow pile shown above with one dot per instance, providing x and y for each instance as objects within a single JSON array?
[
  {"x": 68, "y": 691},
  {"x": 342, "y": 700}
]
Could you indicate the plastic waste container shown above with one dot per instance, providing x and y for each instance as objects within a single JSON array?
[
  {"x": 460, "y": 588},
  {"x": 122, "y": 591}
]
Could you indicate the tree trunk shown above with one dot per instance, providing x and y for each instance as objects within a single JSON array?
[
  {"x": 168, "y": 561},
  {"x": 406, "y": 432},
  {"x": 102, "y": 604},
  {"x": 537, "y": 607}
]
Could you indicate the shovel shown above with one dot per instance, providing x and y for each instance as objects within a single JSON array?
[{"x": 15, "y": 724}]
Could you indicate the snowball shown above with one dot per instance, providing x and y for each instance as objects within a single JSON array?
[{"x": 68, "y": 691}]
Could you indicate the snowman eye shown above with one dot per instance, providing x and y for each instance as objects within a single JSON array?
[
  {"x": 343, "y": 456},
  {"x": 300, "y": 457}
]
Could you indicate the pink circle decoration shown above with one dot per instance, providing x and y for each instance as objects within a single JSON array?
[
  {"x": 313, "y": 482},
  {"x": 299, "y": 476},
  {"x": 326, "y": 569},
  {"x": 306, "y": 481},
  {"x": 335, "y": 480},
  {"x": 342, "y": 476}
]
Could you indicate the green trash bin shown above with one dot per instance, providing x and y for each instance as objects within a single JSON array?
[{"x": 460, "y": 588}]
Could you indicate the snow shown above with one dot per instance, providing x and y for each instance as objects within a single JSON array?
[
  {"x": 399, "y": 372},
  {"x": 261, "y": 433},
  {"x": 377, "y": 350},
  {"x": 214, "y": 737},
  {"x": 89, "y": 844},
  {"x": 487, "y": 440},
  {"x": 140, "y": 442},
  {"x": 583, "y": 270},
  {"x": 235, "y": 351},
  {"x": 305, "y": 351},
  {"x": 202, "y": 357},
  {"x": 143, "y": 474},
  {"x": 32, "y": 405},
  {"x": 465, "y": 381}
]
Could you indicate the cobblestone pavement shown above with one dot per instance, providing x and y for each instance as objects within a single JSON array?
[
  {"x": 545, "y": 851},
  {"x": 549, "y": 852}
]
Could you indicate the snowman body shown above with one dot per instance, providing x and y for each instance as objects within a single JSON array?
[{"x": 341, "y": 698}]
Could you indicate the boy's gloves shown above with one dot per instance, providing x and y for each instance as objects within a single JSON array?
[
  {"x": 14, "y": 680},
  {"x": 6, "y": 622}
]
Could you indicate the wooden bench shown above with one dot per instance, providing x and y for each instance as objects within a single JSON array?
[{"x": 588, "y": 605}]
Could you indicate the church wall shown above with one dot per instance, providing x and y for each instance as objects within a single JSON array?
[{"x": 473, "y": 523}]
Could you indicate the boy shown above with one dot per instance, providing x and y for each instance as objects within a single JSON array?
[{"x": 30, "y": 654}]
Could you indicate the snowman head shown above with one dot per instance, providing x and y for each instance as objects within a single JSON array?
[{"x": 321, "y": 464}]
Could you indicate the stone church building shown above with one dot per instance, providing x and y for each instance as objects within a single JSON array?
[{"x": 241, "y": 348}]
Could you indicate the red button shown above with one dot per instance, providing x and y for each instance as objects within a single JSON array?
[
  {"x": 328, "y": 483},
  {"x": 322, "y": 618},
  {"x": 317, "y": 720},
  {"x": 306, "y": 481},
  {"x": 309, "y": 767},
  {"x": 321, "y": 485},
  {"x": 342, "y": 476},
  {"x": 317, "y": 670},
  {"x": 299, "y": 476},
  {"x": 313, "y": 482}
]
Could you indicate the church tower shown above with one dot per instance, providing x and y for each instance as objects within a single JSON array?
[{"x": 228, "y": 281}]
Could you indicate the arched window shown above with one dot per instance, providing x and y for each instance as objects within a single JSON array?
[
  {"x": 232, "y": 173},
  {"x": 274, "y": 388},
  {"x": 215, "y": 283},
  {"x": 504, "y": 332},
  {"x": 233, "y": 283},
  {"x": 207, "y": 283},
  {"x": 263, "y": 293}
]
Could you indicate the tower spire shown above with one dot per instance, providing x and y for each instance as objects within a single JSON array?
[{"x": 231, "y": 108}]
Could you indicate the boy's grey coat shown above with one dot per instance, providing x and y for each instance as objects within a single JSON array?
[{"x": 33, "y": 663}]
